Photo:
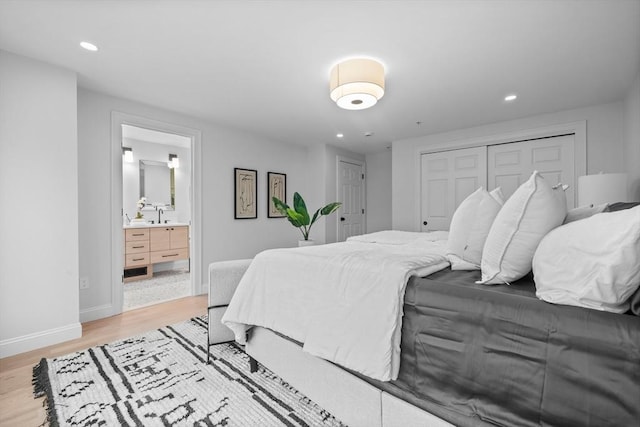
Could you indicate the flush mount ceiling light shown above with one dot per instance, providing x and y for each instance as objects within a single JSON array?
[
  {"x": 356, "y": 84},
  {"x": 89, "y": 46}
]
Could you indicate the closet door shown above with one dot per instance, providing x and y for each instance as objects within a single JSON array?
[
  {"x": 447, "y": 178},
  {"x": 509, "y": 165}
]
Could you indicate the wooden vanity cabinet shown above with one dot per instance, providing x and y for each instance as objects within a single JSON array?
[
  {"x": 169, "y": 243},
  {"x": 150, "y": 245},
  {"x": 137, "y": 262}
]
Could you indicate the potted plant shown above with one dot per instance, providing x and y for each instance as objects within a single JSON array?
[
  {"x": 139, "y": 218},
  {"x": 299, "y": 216}
]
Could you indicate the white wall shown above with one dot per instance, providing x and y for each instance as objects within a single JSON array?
[
  {"x": 605, "y": 150},
  {"x": 317, "y": 189},
  {"x": 143, "y": 150},
  {"x": 632, "y": 139},
  {"x": 379, "y": 177},
  {"x": 223, "y": 238},
  {"x": 39, "y": 200}
]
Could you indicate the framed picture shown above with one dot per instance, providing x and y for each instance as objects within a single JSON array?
[
  {"x": 277, "y": 183},
  {"x": 246, "y": 193}
]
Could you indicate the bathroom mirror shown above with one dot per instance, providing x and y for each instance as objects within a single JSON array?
[{"x": 157, "y": 184}]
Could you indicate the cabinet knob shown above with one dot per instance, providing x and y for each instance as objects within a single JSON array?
[{"x": 424, "y": 222}]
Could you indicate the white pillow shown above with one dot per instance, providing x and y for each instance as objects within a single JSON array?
[
  {"x": 530, "y": 213},
  {"x": 576, "y": 214},
  {"x": 593, "y": 263},
  {"x": 470, "y": 226}
]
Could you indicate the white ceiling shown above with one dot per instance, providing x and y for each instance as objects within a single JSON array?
[{"x": 263, "y": 66}]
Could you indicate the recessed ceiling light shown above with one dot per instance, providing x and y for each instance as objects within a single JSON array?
[
  {"x": 339, "y": 135},
  {"x": 511, "y": 97},
  {"x": 89, "y": 46}
]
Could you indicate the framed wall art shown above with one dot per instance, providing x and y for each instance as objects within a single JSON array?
[
  {"x": 277, "y": 186},
  {"x": 246, "y": 193}
]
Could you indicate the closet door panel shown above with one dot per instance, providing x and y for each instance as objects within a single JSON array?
[
  {"x": 509, "y": 165},
  {"x": 447, "y": 178}
]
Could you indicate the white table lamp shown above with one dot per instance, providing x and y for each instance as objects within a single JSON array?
[{"x": 602, "y": 188}]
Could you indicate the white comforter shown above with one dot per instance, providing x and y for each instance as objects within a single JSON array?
[{"x": 342, "y": 300}]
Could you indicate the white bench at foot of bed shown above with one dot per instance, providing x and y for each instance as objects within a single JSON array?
[
  {"x": 352, "y": 400},
  {"x": 344, "y": 395}
]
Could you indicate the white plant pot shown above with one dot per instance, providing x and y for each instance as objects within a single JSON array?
[
  {"x": 302, "y": 243},
  {"x": 138, "y": 222}
]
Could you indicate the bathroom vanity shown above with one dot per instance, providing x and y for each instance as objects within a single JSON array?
[{"x": 152, "y": 244}]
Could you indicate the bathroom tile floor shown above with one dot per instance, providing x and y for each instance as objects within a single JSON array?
[{"x": 163, "y": 286}]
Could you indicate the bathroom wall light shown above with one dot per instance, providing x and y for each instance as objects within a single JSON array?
[
  {"x": 174, "y": 162},
  {"x": 356, "y": 84},
  {"x": 127, "y": 153}
]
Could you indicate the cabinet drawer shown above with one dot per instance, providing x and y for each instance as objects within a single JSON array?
[
  {"x": 131, "y": 234},
  {"x": 132, "y": 260},
  {"x": 136, "y": 246},
  {"x": 169, "y": 255}
]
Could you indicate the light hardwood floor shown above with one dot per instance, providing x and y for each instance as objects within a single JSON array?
[{"x": 17, "y": 404}]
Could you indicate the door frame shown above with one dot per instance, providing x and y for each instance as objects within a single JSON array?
[
  {"x": 578, "y": 128},
  {"x": 117, "y": 245},
  {"x": 363, "y": 196}
]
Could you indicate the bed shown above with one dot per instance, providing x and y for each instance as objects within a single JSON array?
[{"x": 468, "y": 354}]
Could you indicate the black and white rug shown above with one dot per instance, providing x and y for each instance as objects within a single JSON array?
[{"x": 161, "y": 379}]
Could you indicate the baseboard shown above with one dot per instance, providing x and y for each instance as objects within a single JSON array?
[
  {"x": 204, "y": 289},
  {"x": 13, "y": 346},
  {"x": 95, "y": 313}
]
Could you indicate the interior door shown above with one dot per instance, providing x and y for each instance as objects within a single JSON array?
[
  {"x": 447, "y": 178},
  {"x": 351, "y": 195},
  {"x": 512, "y": 164}
]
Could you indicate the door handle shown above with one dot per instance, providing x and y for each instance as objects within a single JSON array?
[{"x": 341, "y": 218}]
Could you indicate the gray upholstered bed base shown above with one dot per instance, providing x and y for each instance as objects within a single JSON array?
[{"x": 349, "y": 398}]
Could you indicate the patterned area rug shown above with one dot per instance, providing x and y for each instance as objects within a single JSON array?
[{"x": 161, "y": 379}]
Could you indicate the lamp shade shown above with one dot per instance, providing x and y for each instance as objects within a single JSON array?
[
  {"x": 602, "y": 188},
  {"x": 357, "y": 84}
]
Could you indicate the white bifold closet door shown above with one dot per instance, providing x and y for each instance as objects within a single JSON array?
[
  {"x": 448, "y": 177},
  {"x": 509, "y": 165}
]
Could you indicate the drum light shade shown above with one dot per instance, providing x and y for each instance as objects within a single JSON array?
[
  {"x": 357, "y": 84},
  {"x": 602, "y": 188}
]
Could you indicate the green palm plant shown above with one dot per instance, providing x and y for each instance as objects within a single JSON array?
[{"x": 299, "y": 216}]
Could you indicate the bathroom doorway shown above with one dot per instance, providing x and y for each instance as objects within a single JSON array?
[{"x": 156, "y": 216}]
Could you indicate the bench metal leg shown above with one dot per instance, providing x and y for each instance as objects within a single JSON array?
[
  {"x": 253, "y": 365},
  {"x": 208, "y": 345}
]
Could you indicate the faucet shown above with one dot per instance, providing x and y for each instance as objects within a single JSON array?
[{"x": 160, "y": 212}]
